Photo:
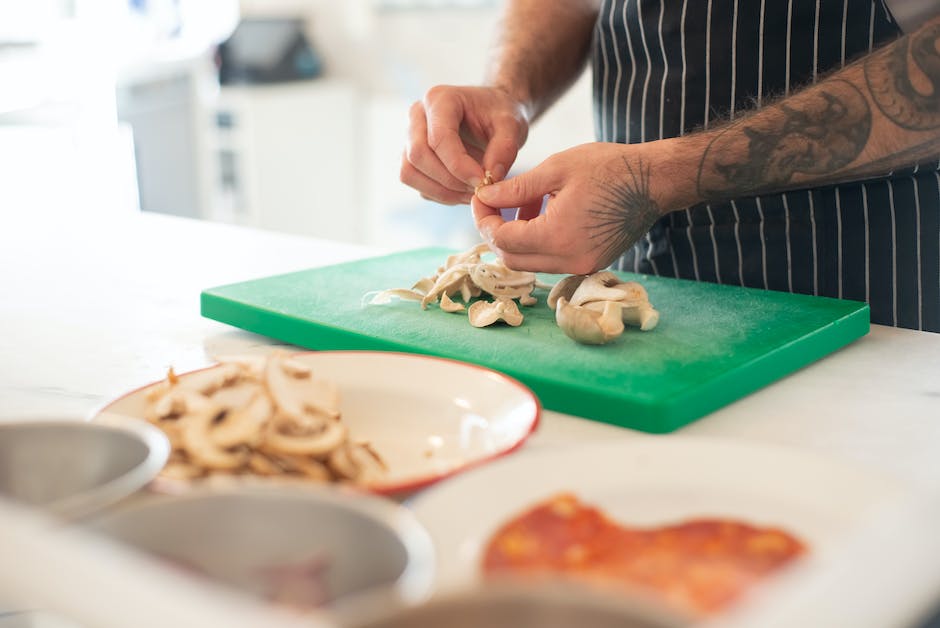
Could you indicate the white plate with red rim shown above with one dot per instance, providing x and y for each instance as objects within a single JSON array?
[
  {"x": 427, "y": 417},
  {"x": 652, "y": 481}
]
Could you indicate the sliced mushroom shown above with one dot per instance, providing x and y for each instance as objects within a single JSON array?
[
  {"x": 471, "y": 256},
  {"x": 358, "y": 462},
  {"x": 306, "y": 466},
  {"x": 169, "y": 406},
  {"x": 386, "y": 296},
  {"x": 262, "y": 415},
  {"x": 238, "y": 395},
  {"x": 242, "y": 425},
  {"x": 251, "y": 366},
  {"x": 296, "y": 368},
  {"x": 501, "y": 281},
  {"x": 484, "y": 313},
  {"x": 467, "y": 289},
  {"x": 196, "y": 424},
  {"x": 209, "y": 380},
  {"x": 263, "y": 465},
  {"x": 447, "y": 280},
  {"x": 423, "y": 285},
  {"x": 316, "y": 440},
  {"x": 299, "y": 396},
  {"x": 449, "y": 306},
  {"x": 564, "y": 288},
  {"x": 588, "y": 326}
]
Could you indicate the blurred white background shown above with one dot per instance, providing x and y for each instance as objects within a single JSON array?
[{"x": 120, "y": 102}]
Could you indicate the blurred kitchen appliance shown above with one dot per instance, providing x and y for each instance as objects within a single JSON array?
[{"x": 267, "y": 50}]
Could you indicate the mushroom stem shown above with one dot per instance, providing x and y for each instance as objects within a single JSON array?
[{"x": 588, "y": 326}]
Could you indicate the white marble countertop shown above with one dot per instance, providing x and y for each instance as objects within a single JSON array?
[
  {"x": 92, "y": 306},
  {"x": 90, "y": 309}
]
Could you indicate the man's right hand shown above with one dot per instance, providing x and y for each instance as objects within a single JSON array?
[{"x": 456, "y": 135}]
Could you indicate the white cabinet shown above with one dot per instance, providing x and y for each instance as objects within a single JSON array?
[{"x": 285, "y": 157}]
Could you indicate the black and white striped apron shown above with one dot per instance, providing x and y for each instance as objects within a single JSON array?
[{"x": 663, "y": 68}]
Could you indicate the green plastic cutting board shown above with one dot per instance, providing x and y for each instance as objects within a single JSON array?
[{"x": 714, "y": 344}]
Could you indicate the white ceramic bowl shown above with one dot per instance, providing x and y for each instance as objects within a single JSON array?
[
  {"x": 72, "y": 468},
  {"x": 303, "y": 547},
  {"x": 509, "y": 604}
]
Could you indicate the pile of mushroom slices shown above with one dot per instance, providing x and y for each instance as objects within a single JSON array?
[
  {"x": 592, "y": 309},
  {"x": 465, "y": 276},
  {"x": 258, "y": 416}
]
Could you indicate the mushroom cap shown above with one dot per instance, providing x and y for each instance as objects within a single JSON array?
[
  {"x": 564, "y": 288},
  {"x": 597, "y": 287}
]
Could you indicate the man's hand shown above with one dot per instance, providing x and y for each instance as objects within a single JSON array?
[
  {"x": 455, "y": 135},
  {"x": 599, "y": 199}
]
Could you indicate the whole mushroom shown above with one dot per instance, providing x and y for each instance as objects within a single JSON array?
[{"x": 593, "y": 292}]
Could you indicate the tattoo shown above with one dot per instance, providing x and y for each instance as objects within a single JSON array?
[
  {"x": 827, "y": 133},
  {"x": 896, "y": 92},
  {"x": 926, "y": 153},
  {"x": 624, "y": 212}
]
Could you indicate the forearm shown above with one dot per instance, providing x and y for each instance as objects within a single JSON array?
[
  {"x": 877, "y": 115},
  {"x": 541, "y": 48}
]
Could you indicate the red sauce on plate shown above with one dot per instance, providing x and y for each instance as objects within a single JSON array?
[{"x": 697, "y": 567}]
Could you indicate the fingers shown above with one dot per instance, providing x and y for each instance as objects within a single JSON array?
[
  {"x": 530, "y": 211},
  {"x": 535, "y": 245},
  {"x": 444, "y": 118},
  {"x": 429, "y": 188},
  {"x": 421, "y": 157},
  {"x": 503, "y": 147},
  {"x": 523, "y": 237},
  {"x": 534, "y": 263},
  {"x": 527, "y": 189},
  {"x": 488, "y": 219}
]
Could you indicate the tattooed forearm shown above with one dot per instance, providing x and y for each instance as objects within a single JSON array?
[
  {"x": 909, "y": 99},
  {"x": 871, "y": 118},
  {"x": 623, "y": 212},
  {"x": 827, "y": 132}
]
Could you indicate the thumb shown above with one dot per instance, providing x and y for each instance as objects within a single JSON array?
[{"x": 523, "y": 189}]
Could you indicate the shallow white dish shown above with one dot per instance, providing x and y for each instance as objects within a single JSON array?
[
  {"x": 652, "y": 481},
  {"x": 427, "y": 417}
]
